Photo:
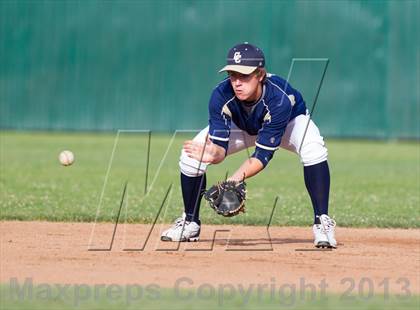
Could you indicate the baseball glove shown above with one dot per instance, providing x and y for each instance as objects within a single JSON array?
[{"x": 227, "y": 198}]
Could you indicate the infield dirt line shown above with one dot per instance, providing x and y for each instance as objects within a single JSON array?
[{"x": 51, "y": 252}]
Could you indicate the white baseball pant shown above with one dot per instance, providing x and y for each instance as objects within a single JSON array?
[{"x": 311, "y": 152}]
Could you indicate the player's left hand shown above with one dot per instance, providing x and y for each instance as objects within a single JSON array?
[{"x": 227, "y": 197}]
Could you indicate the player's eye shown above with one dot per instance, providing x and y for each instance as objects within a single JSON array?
[{"x": 237, "y": 75}]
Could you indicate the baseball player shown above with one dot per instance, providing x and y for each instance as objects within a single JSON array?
[{"x": 253, "y": 108}]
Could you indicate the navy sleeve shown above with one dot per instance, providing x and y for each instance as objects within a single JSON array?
[
  {"x": 219, "y": 121},
  {"x": 264, "y": 156},
  {"x": 275, "y": 122}
]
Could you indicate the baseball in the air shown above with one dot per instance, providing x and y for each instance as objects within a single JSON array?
[{"x": 66, "y": 158}]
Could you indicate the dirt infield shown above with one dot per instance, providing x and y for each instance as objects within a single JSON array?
[{"x": 59, "y": 253}]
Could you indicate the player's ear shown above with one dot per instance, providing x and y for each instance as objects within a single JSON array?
[{"x": 261, "y": 74}]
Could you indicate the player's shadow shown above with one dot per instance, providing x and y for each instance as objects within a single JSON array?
[{"x": 254, "y": 242}]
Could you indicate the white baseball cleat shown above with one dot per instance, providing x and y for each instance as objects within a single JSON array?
[
  {"x": 324, "y": 233},
  {"x": 182, "y": 230},
  {"x": 320, "y": 237}
]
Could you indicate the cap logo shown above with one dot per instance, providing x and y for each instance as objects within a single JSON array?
[{"x": 237, "y": 57}]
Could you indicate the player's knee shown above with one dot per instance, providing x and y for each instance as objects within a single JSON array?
[
  {"x": 313, "y": 153},
  {"x": 191, "y": 167}
]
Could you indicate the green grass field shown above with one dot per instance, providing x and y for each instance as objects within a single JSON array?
[
  {"x": 373, "y": 183},
  {"x": 87, "y": 298}
]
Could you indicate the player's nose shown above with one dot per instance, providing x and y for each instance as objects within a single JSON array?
[{"x": 237, "y": 82}]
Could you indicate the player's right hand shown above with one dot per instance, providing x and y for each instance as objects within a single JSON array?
[{"x": 208, "y": 152}]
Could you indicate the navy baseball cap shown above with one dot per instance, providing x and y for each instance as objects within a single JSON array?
[{"x": 244, "y": 58}]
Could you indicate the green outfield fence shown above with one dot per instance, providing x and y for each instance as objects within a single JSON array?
[{"x": 106, "y": 65}]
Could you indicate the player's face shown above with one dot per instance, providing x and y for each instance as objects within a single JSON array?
[{"x": 246, "y": 86}]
